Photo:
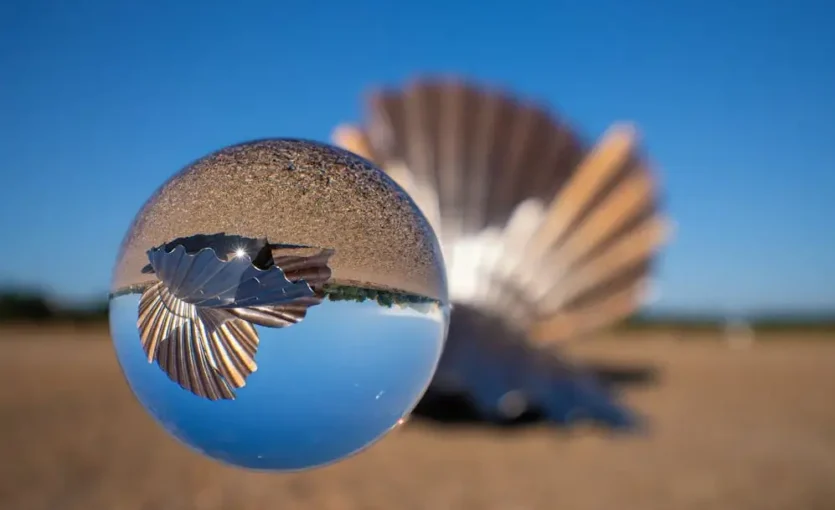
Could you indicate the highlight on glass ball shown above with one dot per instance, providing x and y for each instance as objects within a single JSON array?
[{"x": 279, "y": 305}]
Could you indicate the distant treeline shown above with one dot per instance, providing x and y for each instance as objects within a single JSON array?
[
  {"x": 383, "y": 297},
  {"x": 17, "y": 306},
  {"x": 34, "y": 307},
  {"x": 761, "y": 323}
]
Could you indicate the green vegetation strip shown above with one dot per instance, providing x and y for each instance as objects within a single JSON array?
[
  {"x": 385, "y": 298},
  {"x": 34, "y": 307}
]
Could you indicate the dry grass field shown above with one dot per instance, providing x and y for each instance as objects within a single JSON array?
[{"x": 730, "y": 429}]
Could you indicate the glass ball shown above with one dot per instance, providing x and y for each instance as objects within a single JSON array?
[{"x": 279, "y": 305}]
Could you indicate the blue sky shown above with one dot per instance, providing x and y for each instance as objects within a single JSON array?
[
  {"x": 101, "y": 102},
  {"x": 344, "y": 380}
]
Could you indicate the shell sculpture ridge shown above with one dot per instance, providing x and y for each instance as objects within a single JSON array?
[
  {"x": 197, "y": 321},
  {"x": 545, "y": 238}
]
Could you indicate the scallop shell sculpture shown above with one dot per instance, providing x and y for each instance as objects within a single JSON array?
[
  {"x": 546, "y": 238},
  {"x": 197, "y": 321}
]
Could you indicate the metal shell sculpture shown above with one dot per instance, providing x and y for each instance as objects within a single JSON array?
[
  {"x": 197, "y": 322},
  {"x": 545, "y": 238}
]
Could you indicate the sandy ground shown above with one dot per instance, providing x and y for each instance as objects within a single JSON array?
[{"x": 730, "y": 429}]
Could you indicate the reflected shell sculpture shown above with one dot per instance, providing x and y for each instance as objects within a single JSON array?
[
  {"x": 546, "y": 238},
  {"x": 197, "y": 321}
]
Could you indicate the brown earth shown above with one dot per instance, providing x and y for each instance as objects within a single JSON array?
[{"x": 732, "y": 429}]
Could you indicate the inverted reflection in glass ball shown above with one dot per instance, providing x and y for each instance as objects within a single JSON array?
[{"x": 279, "y": 305}]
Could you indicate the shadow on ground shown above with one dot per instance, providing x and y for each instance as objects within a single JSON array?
[{"x": 455, "y": 409}]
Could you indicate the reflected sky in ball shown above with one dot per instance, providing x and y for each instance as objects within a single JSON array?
[{"x": 324, "y": 389}]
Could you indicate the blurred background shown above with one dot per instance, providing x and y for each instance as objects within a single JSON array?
[{"x": 100, "y": 102}]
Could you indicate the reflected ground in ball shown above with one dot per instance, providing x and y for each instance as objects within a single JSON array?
[
  {"x": 294, "y": 192},
  {"x": 324, "y": 388}
]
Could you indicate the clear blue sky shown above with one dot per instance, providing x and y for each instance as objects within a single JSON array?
[
  {"x": 339, "y": 373},
  {"x": 101, "y": 102}
]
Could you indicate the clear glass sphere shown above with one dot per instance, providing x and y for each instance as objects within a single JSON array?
[{"x": 279, "y": 305}]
